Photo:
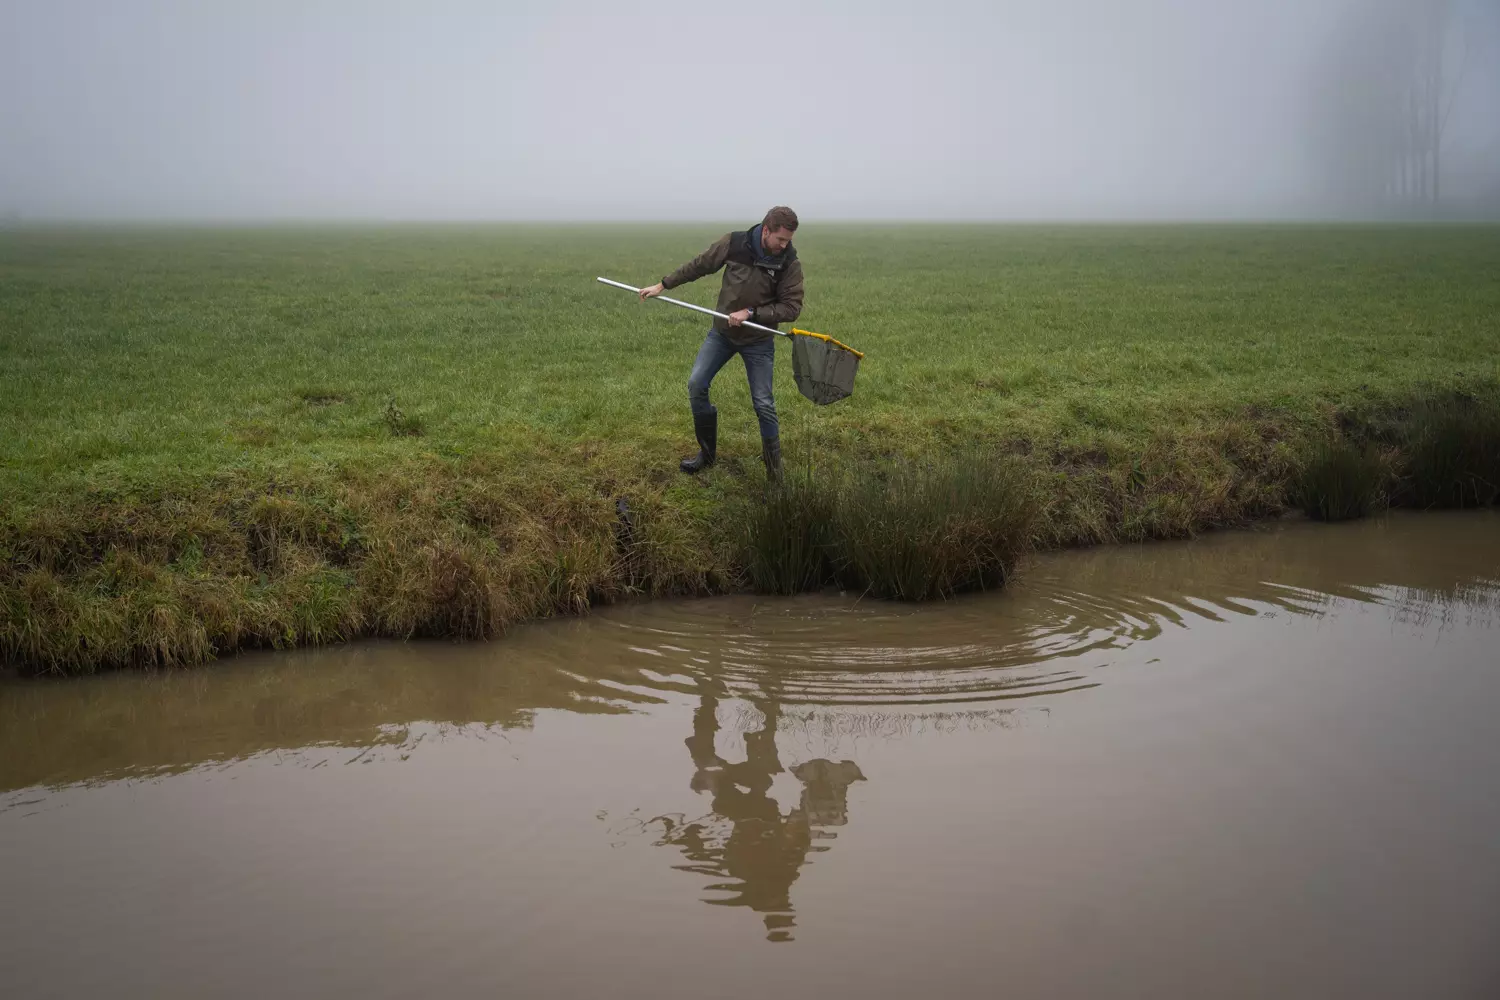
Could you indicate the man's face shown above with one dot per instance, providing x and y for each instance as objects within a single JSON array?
[{"x": 776, "y": 240}]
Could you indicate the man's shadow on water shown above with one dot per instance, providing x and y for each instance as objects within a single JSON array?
[{"x": 745, "y": 841}]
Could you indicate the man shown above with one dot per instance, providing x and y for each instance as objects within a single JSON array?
[{"x": 762, "y": 283}]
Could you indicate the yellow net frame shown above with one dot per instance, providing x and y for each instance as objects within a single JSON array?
[{"x": 835, "y": 343}]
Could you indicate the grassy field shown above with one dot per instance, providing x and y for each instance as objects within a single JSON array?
[{"x": 215, "y": 437}]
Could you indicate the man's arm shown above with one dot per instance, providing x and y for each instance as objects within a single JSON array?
[
  {"x": 788, "y": 304},
  {"x": 705, "y": 263}
]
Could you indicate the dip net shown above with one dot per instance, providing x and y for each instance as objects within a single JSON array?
[{"x": 823, "y": 368}]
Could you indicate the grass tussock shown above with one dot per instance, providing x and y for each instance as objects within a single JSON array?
[
  {"x": 790, "y": 537},
  {"x": 1452, "y": 453},
  {"x": 909, "y": 532},
  {"x": 1340, "y": 481}
]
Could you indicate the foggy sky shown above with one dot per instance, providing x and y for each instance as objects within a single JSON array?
[{"x": 330, "y": 110}]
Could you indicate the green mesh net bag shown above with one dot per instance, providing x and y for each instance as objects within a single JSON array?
[{"x": 824, "y": 369}]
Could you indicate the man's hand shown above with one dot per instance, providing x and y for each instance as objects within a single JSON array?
[
  {"x": 652, "y": 292},
  {"x": 736, "y": 318}
]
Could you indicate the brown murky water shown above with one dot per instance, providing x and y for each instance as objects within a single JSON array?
[{"x": 1252, "y": 765}]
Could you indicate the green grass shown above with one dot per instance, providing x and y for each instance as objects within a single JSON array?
[{"x": 213, "y": 437}]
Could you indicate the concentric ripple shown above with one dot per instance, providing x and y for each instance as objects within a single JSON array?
[{"x": 1066, "y": 615}]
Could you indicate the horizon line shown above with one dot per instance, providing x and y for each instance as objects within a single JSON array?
[{"x": 62, "y": 221}]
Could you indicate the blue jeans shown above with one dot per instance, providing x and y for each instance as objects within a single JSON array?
[{"x": 760, "y": 362}]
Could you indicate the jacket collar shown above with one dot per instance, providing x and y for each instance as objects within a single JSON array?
[{"x": 762, "y": 258}]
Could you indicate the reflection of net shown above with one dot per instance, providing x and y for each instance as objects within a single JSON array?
[
  {"x": 823, "y": 368},
  {"x": 750, "y": 850}
]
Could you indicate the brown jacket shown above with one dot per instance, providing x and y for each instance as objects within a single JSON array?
[{"x": 772, "y": 286}]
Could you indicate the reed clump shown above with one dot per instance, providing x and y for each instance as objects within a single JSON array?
[
  {"x": 1451, "y": 452},
  {"x": 1340, "y": 481},
  {"x": 908, "y": 531}
]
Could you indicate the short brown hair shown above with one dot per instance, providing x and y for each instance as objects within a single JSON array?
[{"x": 780, "y": 217}]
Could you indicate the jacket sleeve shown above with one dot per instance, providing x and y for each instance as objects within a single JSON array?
[
  {"x": 705, "y": 263},
  {"x": 788, "y": 304}
]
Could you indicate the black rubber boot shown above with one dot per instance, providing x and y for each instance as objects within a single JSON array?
[
  {"x": 770, "y": 453},
  {"x": 707, "y": 430}
]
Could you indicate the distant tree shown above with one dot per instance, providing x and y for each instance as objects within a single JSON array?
[{"x": 1391, "y": 78}]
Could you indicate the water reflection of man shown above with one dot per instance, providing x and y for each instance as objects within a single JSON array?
[{"x": 763, "y": 851}]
